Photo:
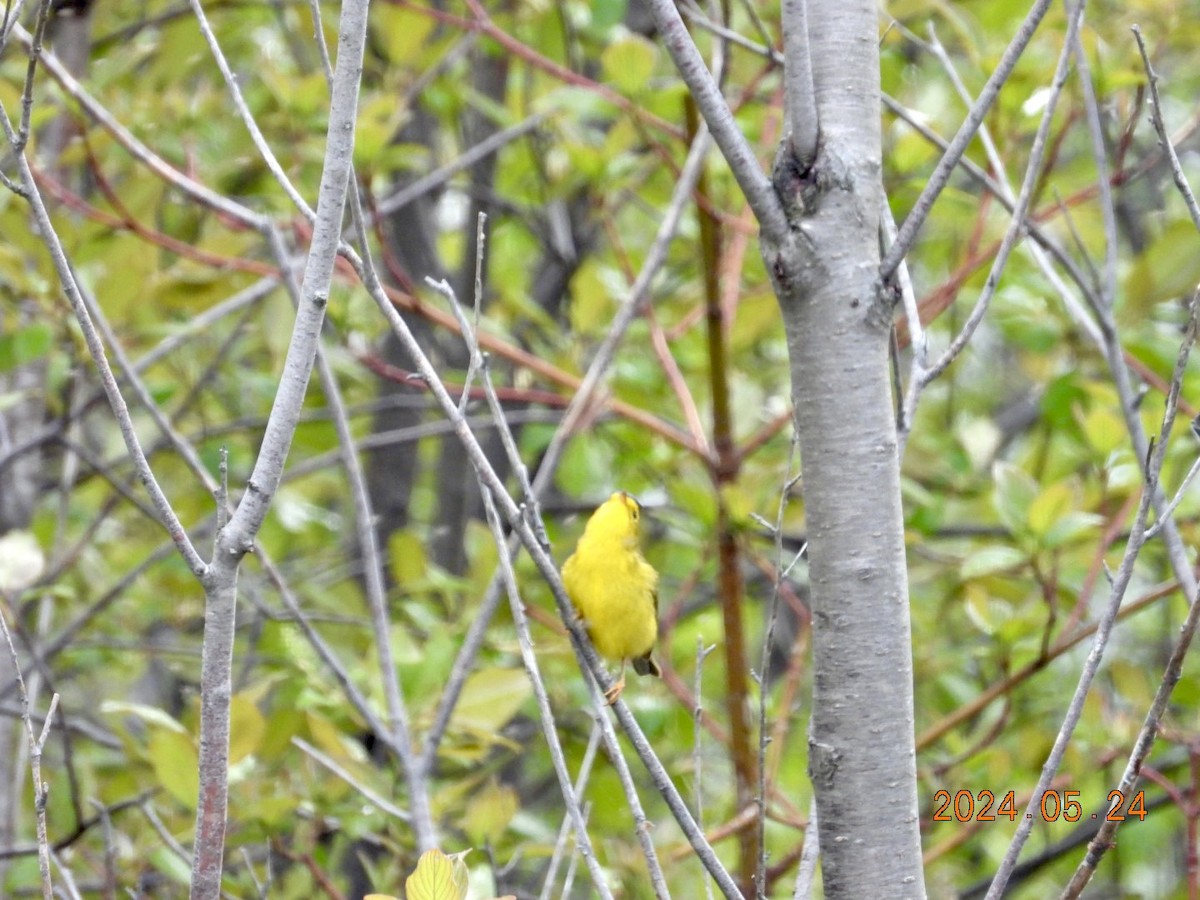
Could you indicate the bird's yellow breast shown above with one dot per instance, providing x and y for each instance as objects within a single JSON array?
[{"x": 612, "y": 587}]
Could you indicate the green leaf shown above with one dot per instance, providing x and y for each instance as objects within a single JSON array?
[
  {"x": 378, "y": 121},
  {"x": 406, "y": 554},
  {"x": 437, "y": 877},
  {"x": 24, "y": 345},
  {"x": 173, "y": 756},
  {"x": 992, "y": 560},
  {"x": 490, "y": 811},
  {"x": 1104, "y": 430},
  {"x": 1168, "y": 268},
  {"x": 490, "y": 698},
  {"x": 246, "y": 728},
  {"x": 1071, "y": 526},
  {"x": 167, "y": 862},
  {"x": 1015, "y": 492},
  {"x": 986, "y": 613},
  {"x": 629, "y": 63},
  {"x": 607, "y": 13},
  {"x": 400, "y": 34},
  {"x": 1048, "y": 507},
  {"x": 151, "y": 715}
]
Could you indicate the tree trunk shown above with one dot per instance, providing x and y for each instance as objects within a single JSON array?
[{"x": 826, "y": 270}]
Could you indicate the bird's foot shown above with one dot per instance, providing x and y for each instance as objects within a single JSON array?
[{"x": 611, "y": 695}]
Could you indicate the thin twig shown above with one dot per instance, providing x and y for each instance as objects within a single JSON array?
[
  {"x": 704, "y": 90},
  {"x": 806, "y": 870},
  {"x": 341, "y": 772},
  {"x": 1016, "y": 228},
  {"x": 435, "y": 179},
  {"x": 702, "y": 653},
  {"x": 237, "y": 538},
  {"x": 764, "y": 677},
  {"x": 639, "y": 293},
  {"x": 516, "y": 518},
  {"x": 40, "y": 788},
  {"x": 35, "y": 51},
  {"x": 248, "y": 120},
  {"x": 66, "y": 883},
  {"x": 1154, "y": 529},
  {"x": 71, "y": 288},
  {"x": 164, "y": 833},
  {"x": 578, "y": 408},
  {"x": 1120, "y": 584},
  {"x": 372, "y": 559},
  {"x": 566, "y": 830},
  {"x": 1041, "y": 248},
  {"x": 1108, "y": 212},
  {"x": 1156, "y": 116},
  {"x": 545, "y": 713},
  {"x": 190, "y": 187},
  {"x": 657, "y": 879},
  {"x": 958, "y": 146}
]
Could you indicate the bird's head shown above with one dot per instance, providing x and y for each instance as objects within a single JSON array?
[{"x": 618, "y": 517}]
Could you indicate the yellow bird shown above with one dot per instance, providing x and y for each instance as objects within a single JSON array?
[{"x": 614, "y": 589}]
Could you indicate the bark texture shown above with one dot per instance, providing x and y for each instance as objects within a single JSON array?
[{"x": 826, "y": 272}]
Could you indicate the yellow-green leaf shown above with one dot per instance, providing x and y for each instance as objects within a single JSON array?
[
  {"x": 991, "y": 560},
  {"x": 1104, "y": 430},
  {"x": 406, "y": 553},
  {"x": 437, "y": 877},
  {"x": 1015, "y": 491},
  {"x": 400, "y": 34},
  {"x": 151, "y": 715},
  {"x": 1048, "y": 507},
  {"x": 490, "y": 811},
  {"x": 490, "y": 698},
  {"x": 246, "y": 727},
  {"x": 173, "y": 756},
  {"x": 629, "y": 63}
]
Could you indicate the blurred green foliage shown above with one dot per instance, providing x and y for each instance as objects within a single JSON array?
[{"x": 1019, "y": 474}]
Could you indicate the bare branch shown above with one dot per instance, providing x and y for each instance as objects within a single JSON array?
[
  {"x": 804, "y": 128},
  {"x": 341, "y": 772},
  {"x": 79, "y": 305},
  {"x": 243, "y": 111},
  {"x": 806, "y": 870},
  {"x": 426, "y": 183},
  {"x": 545, "y": 565},
  {"x": 958, "y": 146},
  {"x": 35, "y": 50},
  {"x": 36, "y": 744},
  {"x": 639, "y": 294},
  {"x": 764, "y": 674},
  {"x": 238, "y": 536},
  {"x": 364, "y": 523},
  {"x": 1016, "y": 228},
  {"x": 314, "y": 288},
  {"x": 707, "y": 94},
  {"x": 1091, "y": 105},
  {"x": 697, "y": 742},
  {"x": 564, "y": 832},
  {"x": 532, "y": 519},
  {"x": 137, "y": 148},
  {"x": 1041, "y": 248},
  {"x": 1121, "y": 580},
  {"x": 545, "y": 713},
  {"x": 1160, "y": 128}
]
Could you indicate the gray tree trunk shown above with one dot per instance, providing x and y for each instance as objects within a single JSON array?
[{"x": 862, "y": 757}]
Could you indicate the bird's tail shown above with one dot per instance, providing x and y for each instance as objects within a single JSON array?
[{"x": 645, "y": 665}]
